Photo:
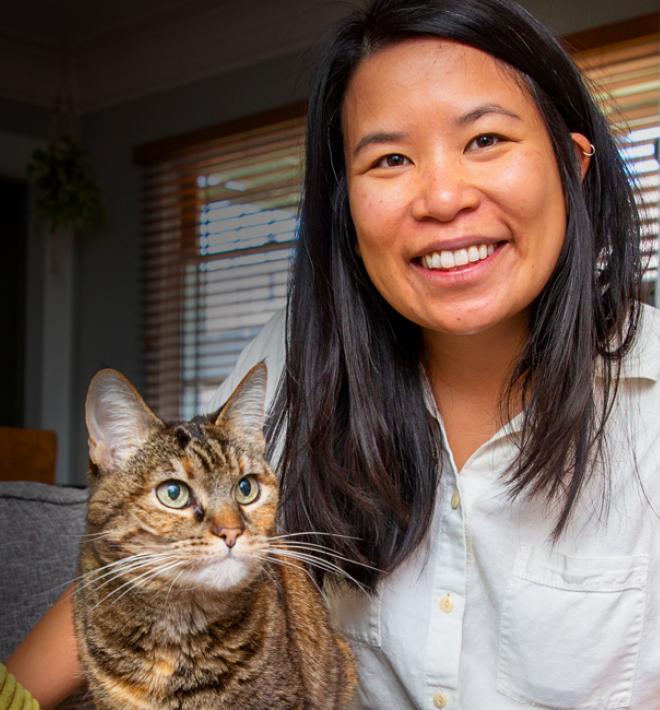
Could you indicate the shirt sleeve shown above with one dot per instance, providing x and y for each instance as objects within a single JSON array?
[
  {"x": 13, "y": 696},
  {"x": 269, "y": 347}
]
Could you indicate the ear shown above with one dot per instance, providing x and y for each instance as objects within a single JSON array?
[
  {"x": 243, "y": 413},
  {"x": 584, "y": 152},
  {"x": 118, "y": 421}
]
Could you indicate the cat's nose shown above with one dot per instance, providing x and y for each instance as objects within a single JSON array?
[{"x": 229, "y": 535}]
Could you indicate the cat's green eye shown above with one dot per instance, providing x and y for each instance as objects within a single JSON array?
[
  {"x": 174, "y": 494},
  {"x": 247, "y": 490}
]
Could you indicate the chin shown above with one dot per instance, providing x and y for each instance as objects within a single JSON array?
[
  {"x": 219, "y": 575},
  {"x": 474, "y": 322}
]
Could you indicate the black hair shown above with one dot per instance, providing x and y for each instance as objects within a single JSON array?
[{"x": 361, "y": 455}]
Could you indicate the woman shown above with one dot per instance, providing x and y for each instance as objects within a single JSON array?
[{"x": 470, "y": 400}]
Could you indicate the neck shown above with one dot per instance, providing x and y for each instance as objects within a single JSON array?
[
  {"x": 469, "y": 375},
  {"x": 467, "y": 363}
]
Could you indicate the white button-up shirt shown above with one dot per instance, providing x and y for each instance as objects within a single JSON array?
[{"x": 488, "y": 614}]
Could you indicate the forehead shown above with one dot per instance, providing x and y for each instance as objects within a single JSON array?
[{"x": 420, "y": 75}]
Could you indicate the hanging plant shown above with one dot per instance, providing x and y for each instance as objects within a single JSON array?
[{"x": 66, "y": 194}]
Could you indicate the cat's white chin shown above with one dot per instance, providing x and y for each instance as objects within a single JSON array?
[{"x": 219, "y": 575}]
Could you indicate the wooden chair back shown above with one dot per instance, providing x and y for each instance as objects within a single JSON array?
[{"x": 27, "y": 455}]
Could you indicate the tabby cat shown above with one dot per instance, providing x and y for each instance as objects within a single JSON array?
[{"x": 187, "y": 597}]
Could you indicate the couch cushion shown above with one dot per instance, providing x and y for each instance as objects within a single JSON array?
[{"x": 40, "y": 530}]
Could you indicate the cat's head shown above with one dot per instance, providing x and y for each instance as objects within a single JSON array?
[{"x": 191, "y": 503}]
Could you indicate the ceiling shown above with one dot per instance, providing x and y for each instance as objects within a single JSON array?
[
  {"x": 102, "y": 53},
  {"x": 72, "y": 22}
]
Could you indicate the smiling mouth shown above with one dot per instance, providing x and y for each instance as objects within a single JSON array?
[{"x": 446, "y": 260}]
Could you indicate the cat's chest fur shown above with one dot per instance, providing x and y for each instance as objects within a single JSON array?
[{"x": 194, "y": 653}]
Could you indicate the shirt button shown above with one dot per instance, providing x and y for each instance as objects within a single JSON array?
[
  {"x": 440, "y": 700},
  {"x": 455, "y": 499},
  {"x": 446, "y": 604}
]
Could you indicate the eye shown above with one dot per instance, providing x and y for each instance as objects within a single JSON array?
[
  {"x": 174, "y": 494},
  {"x": 393, "y": 160},
  {"x": 247, "y": 490},
  {"x": 486, "y": 140}
]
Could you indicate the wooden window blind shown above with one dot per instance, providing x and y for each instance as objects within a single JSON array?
[
  {"x": 219, "y": 224},
  {"x": 625, "y": 78},
  {"x": 220, "y": 219}
]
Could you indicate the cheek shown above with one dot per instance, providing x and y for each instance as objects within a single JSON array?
[
  {"x": 533, "y": 199},
  {"x": 373, "y": 215},
  {"x": 262, "y": 518}
]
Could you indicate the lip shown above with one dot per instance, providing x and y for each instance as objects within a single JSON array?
[{"x": 454, "y": 244}]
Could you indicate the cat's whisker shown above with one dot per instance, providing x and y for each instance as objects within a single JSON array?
[
  {"x": 131, "y": 565},
  {"x": 134, "y": 582},
  {"x": 91, "y": 576},
  {"x": 121, "y": 563},
  {"x": 311, "y": 532},
  {"x": 320, "y": 563},
  {"x": 141, "y": 580},
  {"x": 285, "y": 563},
  {"x": 322, "y": 549},
  {"x": 312, "y": 561},
  {"x": 297, "y": 543}
]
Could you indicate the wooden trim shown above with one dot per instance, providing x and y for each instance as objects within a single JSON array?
[
  {"x": 613, "y": 33},
  {"x": 172, "y": 145}
]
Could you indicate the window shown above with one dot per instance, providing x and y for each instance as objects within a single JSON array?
[
  {"x": 626, "y": 79},
  {"x": 220, "y": 221},
  {"x": 220, "y": 218}
]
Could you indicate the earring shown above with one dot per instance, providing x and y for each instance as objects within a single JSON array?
[{"x": 591, "y": 152}]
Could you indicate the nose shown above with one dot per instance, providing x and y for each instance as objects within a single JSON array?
[
  {"x": 229, "y": 535},
  {"x": 445, "y": 189}
]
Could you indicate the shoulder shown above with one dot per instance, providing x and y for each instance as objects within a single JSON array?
[{"x": 269, "y": 346}]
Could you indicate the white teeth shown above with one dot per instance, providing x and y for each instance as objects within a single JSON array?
[
  {"x": 447, "y": 260},
  {"x": 460, "y": 257}
]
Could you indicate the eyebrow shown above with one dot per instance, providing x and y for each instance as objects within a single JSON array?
[
  {"x": 376, "y": 138},
  {"x": 480, "y": 111}
]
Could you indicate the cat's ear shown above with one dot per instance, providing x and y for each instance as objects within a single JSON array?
[
  {"x": 243, "y": 413},
  {"x": 118, "y": 421}
]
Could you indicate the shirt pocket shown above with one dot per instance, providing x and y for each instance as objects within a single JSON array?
[
  {"x": 570, "y": 630},
  {"x": 355, "y": 614}
]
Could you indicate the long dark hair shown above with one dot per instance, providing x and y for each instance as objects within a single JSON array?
[{"x": 361, "y": 455}]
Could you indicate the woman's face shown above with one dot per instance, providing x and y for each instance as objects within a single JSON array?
[{"x": 453, "y": 186}]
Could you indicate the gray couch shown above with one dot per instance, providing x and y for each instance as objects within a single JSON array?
[{"x": 40, "y": 529}]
